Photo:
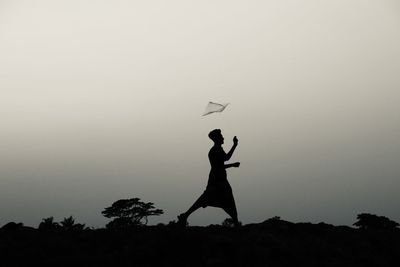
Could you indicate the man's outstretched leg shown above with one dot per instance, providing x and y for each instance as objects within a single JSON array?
[{"x": 182, "y": 218}]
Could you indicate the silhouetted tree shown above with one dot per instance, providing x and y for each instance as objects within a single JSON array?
[
  {"x": 371, "y": 221},
  {"x": 48, "y": 224},
  {"x": 69, "y": 224},
  {"x": 130, "y": 212}
]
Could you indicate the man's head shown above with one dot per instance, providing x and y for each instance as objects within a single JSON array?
[{"x": 216, "y": 136}]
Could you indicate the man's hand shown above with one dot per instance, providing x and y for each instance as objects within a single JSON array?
[
  {"x": 229, "y": 154},
  {"x": 236, "y": 164},
  {"x": 235, "y": 141}
]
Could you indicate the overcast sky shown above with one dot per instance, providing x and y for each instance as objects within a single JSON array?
[{"x": 102, "y": 100}]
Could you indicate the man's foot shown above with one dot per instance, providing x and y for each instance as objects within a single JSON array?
[{"x": 182, "y": 220}]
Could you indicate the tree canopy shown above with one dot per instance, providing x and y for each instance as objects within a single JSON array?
[
  {"x": 130, "y": 212},
  {"x": 371, "y": 221}
]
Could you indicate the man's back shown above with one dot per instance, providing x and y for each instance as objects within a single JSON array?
[{"x": 217, "y": 157}]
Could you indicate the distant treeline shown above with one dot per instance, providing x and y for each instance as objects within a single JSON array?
[
  {"x": 128, "y": 213},
  {"x": 274, "y": 242}
]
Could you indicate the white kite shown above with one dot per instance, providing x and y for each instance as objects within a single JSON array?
[{"x": 214, "y": 107}]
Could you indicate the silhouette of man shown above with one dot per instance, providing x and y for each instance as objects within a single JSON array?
[{"x": 218, "y": 192}]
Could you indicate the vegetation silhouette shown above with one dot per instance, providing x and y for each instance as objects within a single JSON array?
[
  {"x": 12, "y": 226},
  {"x": 274, "y": 242},
  {"x": 229, "y": 222},
  {"x": 129, "y": 212},
  {"x": 218, "y": 192},
  {"x": 68, "y": 224},
  {"x": 48, "y": 224},
  {"x": 368, "y": 221}
]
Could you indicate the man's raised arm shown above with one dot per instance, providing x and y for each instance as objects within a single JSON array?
[{"x": 229, "y": 154}]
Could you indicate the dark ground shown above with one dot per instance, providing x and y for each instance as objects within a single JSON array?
[{"x": 272, "y": 243}]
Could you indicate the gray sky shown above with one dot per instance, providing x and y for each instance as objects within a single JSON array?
[{"x": 102, "y": 100}]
